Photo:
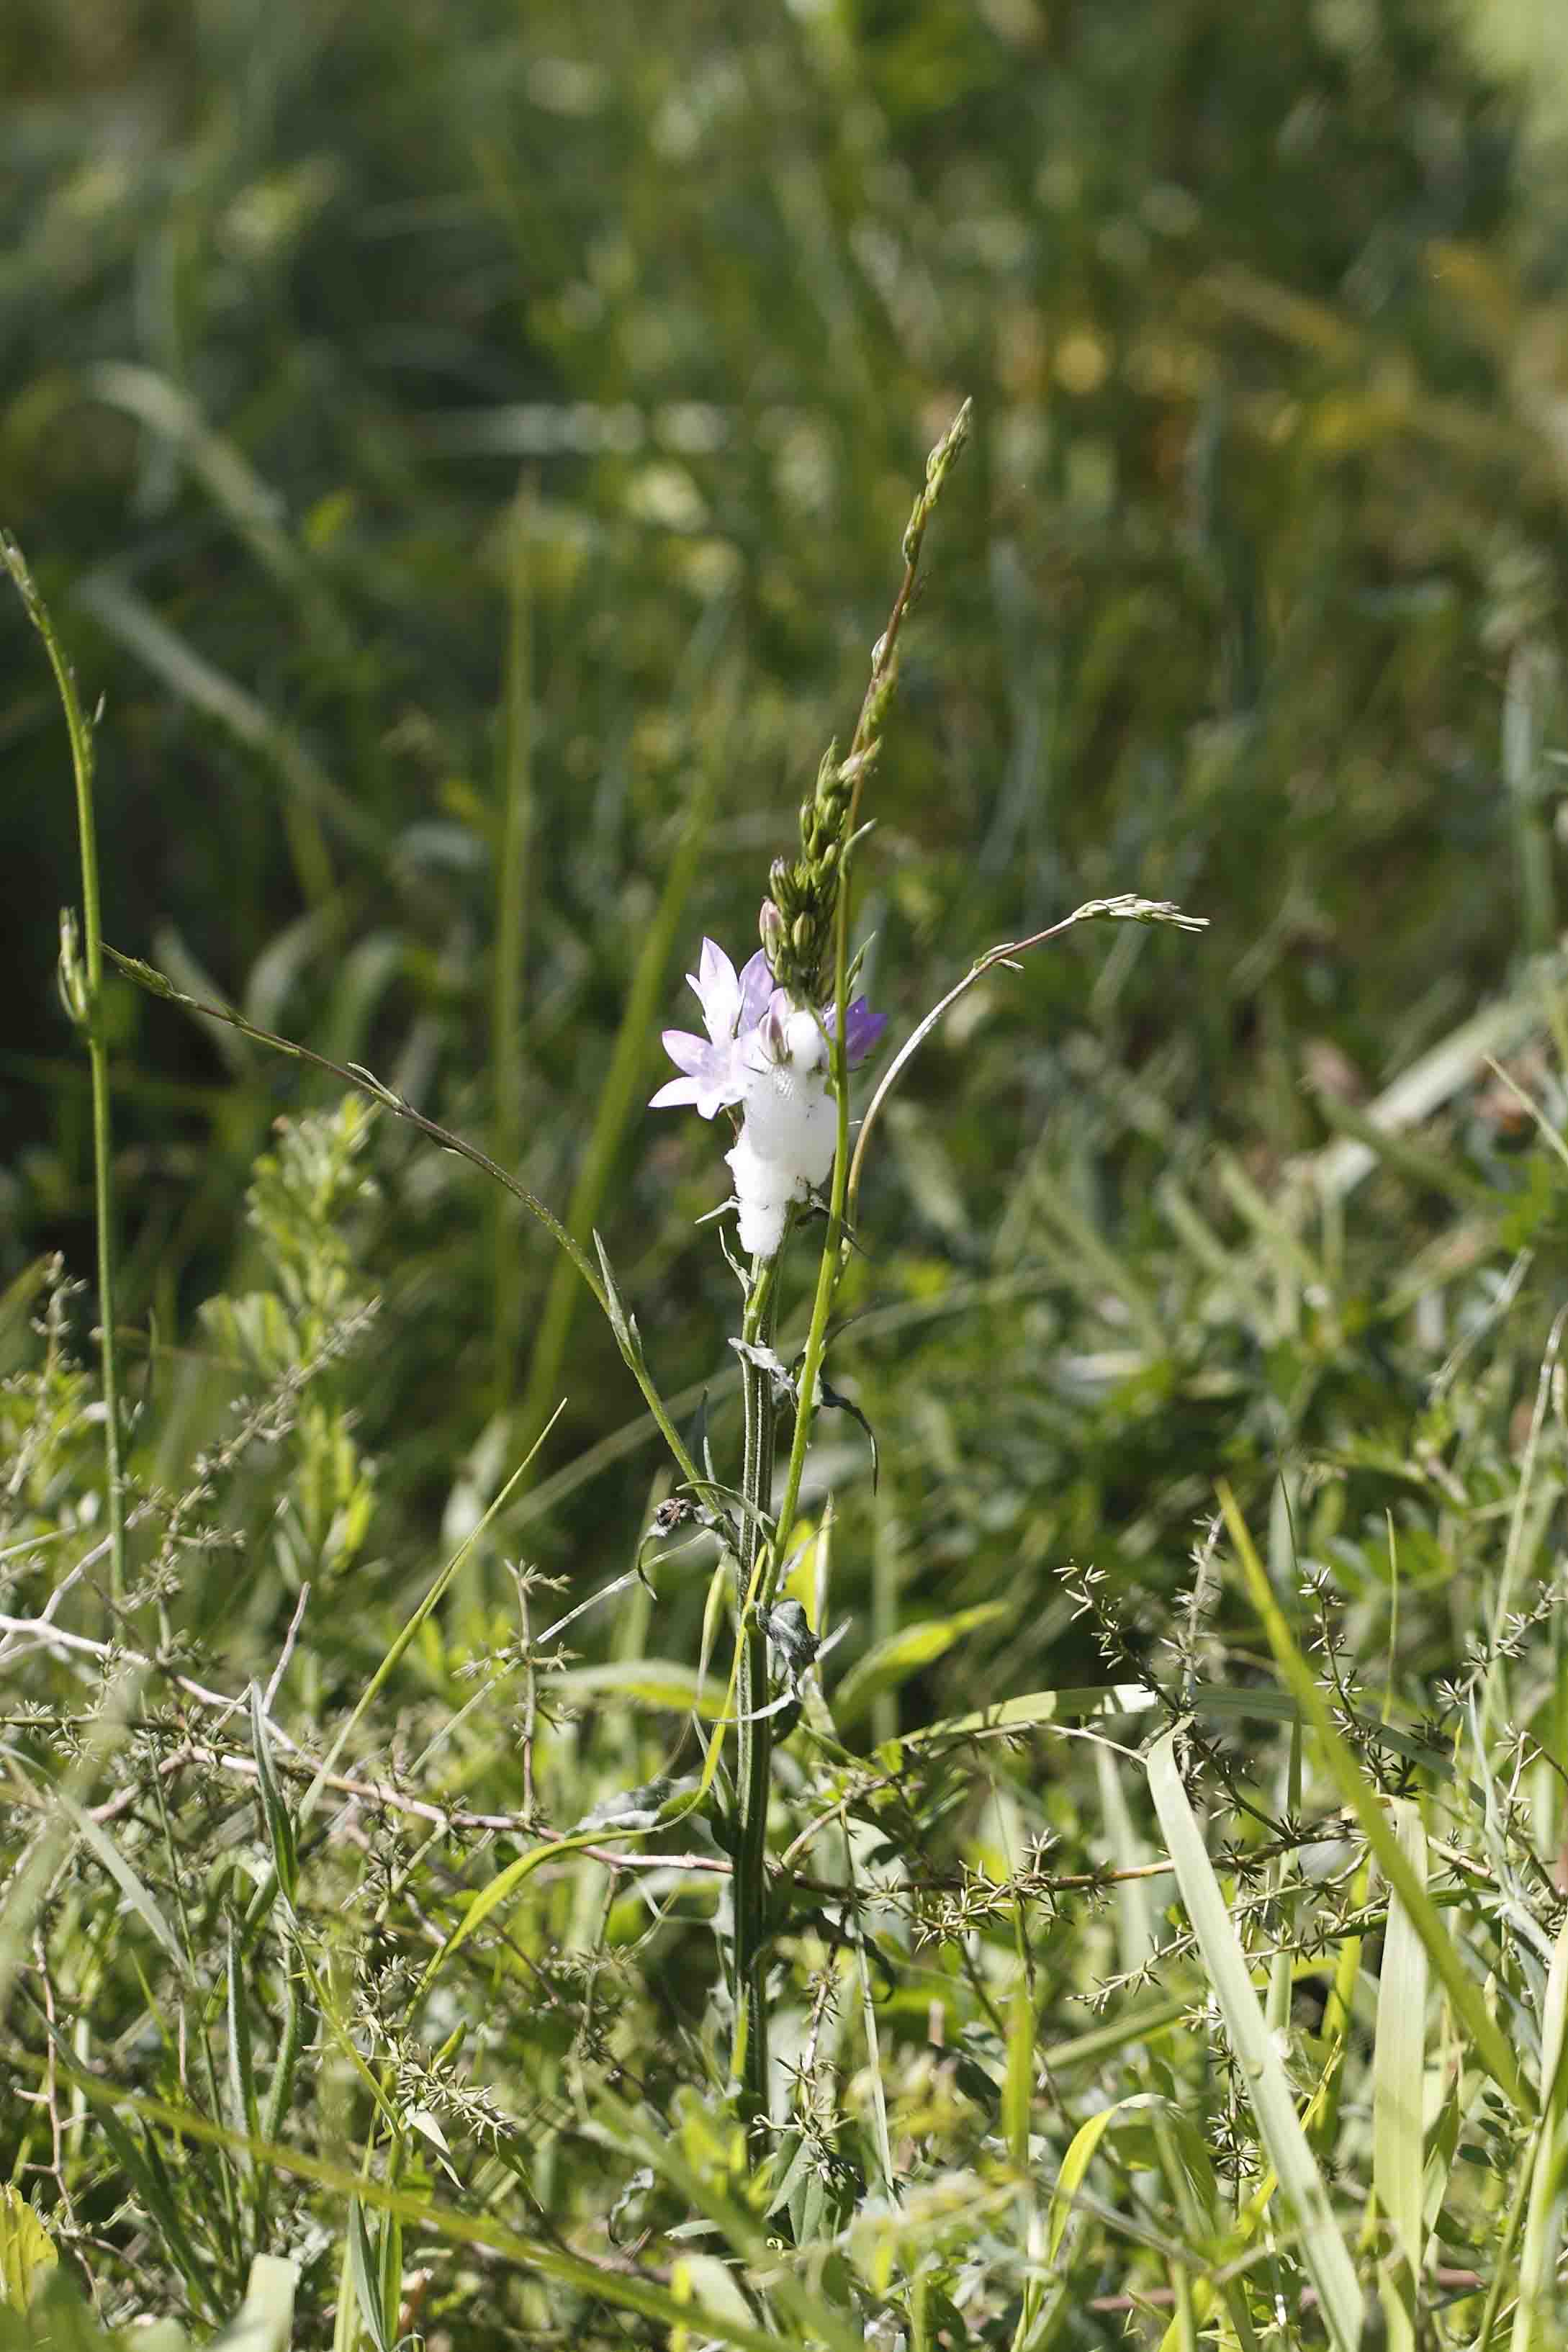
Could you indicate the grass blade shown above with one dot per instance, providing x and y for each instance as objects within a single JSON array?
[
  {"x": 1367, "y": 1805},
  {"x": 1543, "y": 2220},
  {"x": 366, "y": 2270},
  {"x": 275, "y": 1813},
  {"x": 1324, "y": 2249},
  {"x": 1398, "y": 2074},
  {"x": 130, "y": 1884},
  {"x": 81, "y": 987},
  {"x": 242, "y": 2104}
]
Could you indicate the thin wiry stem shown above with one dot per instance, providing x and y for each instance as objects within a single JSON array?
[
  {"x": 515, "y": 817},
  {"x": 83, "y": 992}
]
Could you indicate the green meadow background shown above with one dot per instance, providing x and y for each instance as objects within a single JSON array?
[{"x": 466, "y": 448}]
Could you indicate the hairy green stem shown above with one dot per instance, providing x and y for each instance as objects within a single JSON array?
[
  {"x": 749, "y": 2046},
  {"x": 762, "y": 1562},
  {"x": 83, "y": 994}
]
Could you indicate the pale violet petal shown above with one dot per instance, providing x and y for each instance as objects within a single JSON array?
[
  {"x": 755, "y": 986},
  {"x": 721, "y": 1084},
  {"x": 687, "y": 1051},
  {"x": 862, "y": 1029},
  {"x": 674, "y": 1090},
  {"x": 718, "y": 992}
]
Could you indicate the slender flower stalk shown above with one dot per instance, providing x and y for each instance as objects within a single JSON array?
[
  {"x": 769, "y": 1058},
  {"x": 780, "y": 1054},
  {"x": 749, "y": 2038},
  {"x": 863, "y": 749},
  {"x": 81, "y": 989}
]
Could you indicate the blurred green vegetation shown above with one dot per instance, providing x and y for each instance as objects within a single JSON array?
[
  {"x": 467, "y": 451},
  {"x": 335, "y": 337}
]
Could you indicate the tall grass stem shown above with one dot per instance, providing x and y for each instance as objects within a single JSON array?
[
  {"x": 515, "y": 830},
  {"x": 83, "y": 991}
]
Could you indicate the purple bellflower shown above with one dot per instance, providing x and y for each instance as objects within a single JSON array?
[
  {"x": 770, "y": 1057},
  {"x": 733, "y": 1005}
]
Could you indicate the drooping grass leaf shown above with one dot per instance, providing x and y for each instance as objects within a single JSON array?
[
  {"x": 1367, "y": 1805},
  {"x": 1267, "y": 2090},
  {"x": 1398, "y": 2077},
  {"x": 364, "y": 2269},
  {"x": 275, "y": 1813},
  {"x": 1544, "y": 2218},
  {"x": 134, "y": 1888}
]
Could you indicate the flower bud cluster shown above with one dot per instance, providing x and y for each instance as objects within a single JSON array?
[{"x": 797, "y": 918}]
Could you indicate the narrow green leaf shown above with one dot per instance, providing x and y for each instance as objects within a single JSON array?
[
  {"x": 1034, "y": 1710},
  {"x": 642, "y": 1682},
  {"x": 623, "y": 1323},
  {"x": 1543, "y": 2220},
  {"x": 242, "y": 2106},
  {"x": 1135, "y": 1937},
  {"x": 391, "y": 2274},
  {"x": 26, "y": 2249},
  {"x": 1149, "y": 2023},
  {"x": 1263, "y": 2076},
  {"x": 96, "y": 1838},
  {"x": 1074, "y": 2166},
  {"x": 1398, "y": 2078},
  {"x": 275, "y": 1813},
  {"x": 365, "y": 2268},
  {"x": 1365, "y": 1802},
  {"x": 504, "y": 1884}
]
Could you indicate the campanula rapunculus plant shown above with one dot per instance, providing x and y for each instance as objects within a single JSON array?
[
  {"x": 774, "y": 1054},
  {"x": 774, "y": 1057},
  {"x": 769, "y": 1058}
]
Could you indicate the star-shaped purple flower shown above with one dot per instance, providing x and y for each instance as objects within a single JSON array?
[
  {"x": 862, "y": 1028},
  {"x": 746, "y": 1018},
  {"x": 732, "y": 1007}
]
